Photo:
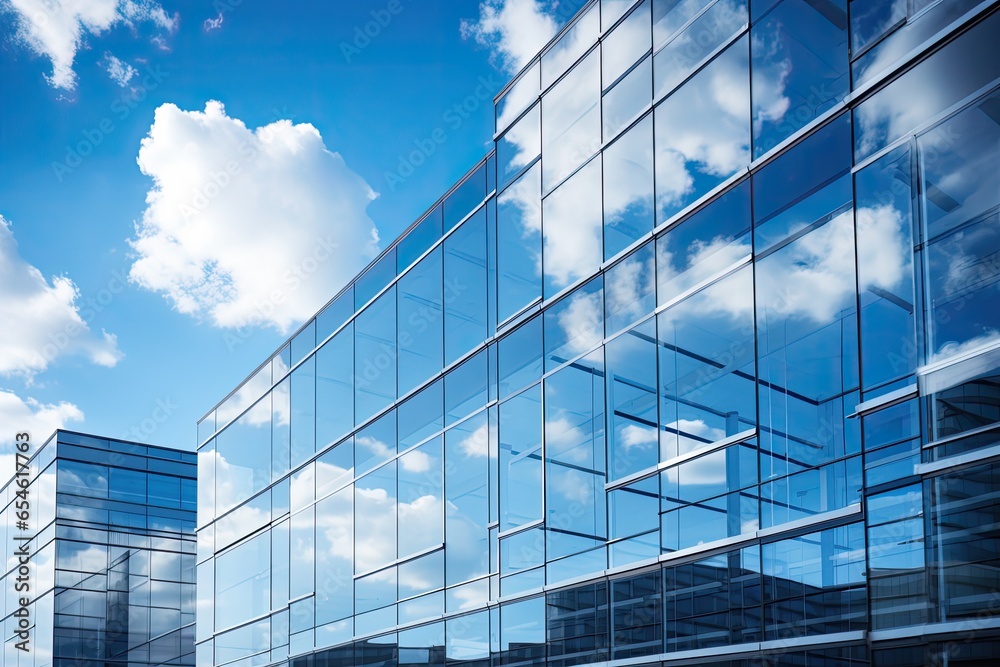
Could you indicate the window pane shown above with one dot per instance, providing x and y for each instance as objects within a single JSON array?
[
  {"x": 421, "y": 506},
  {"x": 517, "y": 98},
  {"x": 571, "y": 121},
  {"x": 421, "y": 416},
  {"x": 572, "y": 228},
  {"x": 375, "y": 522},
  {"x": 628, "y": 98},
  {"x": 522, "y": 632},
  {"x": 244, "y": 450},
  {"x": 519, "y": 244},
  {"x": 334, "y": 556},
  {"x": 375, "y": 443},
  {"x": 465, "y": 288},
  {"x": 632, "y": 401},
  {"x": 243, "y": 583},
  {"x": 420, "y": 324},
  {"x": 375, "y": 356},
  {"x": 703, "y": 131},
  {"x": 372, "y": 281},
  {"x": 465, "y": 198},
  {"x": 520, "y": 357},
  {"x": 628, "y": 42},
  {"x": 710, "y": 241},
  {"x": 870, "y": 19},
  {"x": 670, "y": 15},
  {"x": 707, "y": 366},
  {"x": 281, "y": 428},
  {"x": 686, "y": 52},
  {"x": 465, "y": 388},
  {"x": 521, "y": 459},
  {"x": 575, "y": 325},
  {"x": 796, "y": 80},
  {"x": 335, "y": 468},
  {"x": 628, "y": 188},
  {"x": 423, "y": 236},
  {"x": 468, "y": 459},
  {"x": 630, "y": 289},
  {"x": 334, "y": 315},
  {"x": 303, "y": 426},
  {"x": 637, "y": 616},
  {"x": 334, "y": 388},
  {"x": 573, "y": 44}
]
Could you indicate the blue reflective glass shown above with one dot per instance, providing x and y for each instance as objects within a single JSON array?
[
  {"x": 628, "y": 188},
  {"x": 522, "y": 93},
  {"x": 570, "y": 45},
  {"x": 244, "y": 456},
  {"x": 421, "y": 416},
  {"x": 708, "y": 242},
  {"x": 572, "y": 229},
  {"x": 375, "y": 357},
  {"x": 279, "y": 566},
  {"x": 420, "y": 334},
  {"x": 519, "y": 146},
  {"x": 421, "y": 499},
  {"x": 243, "y": 582},
  {"x": 424, "y": 235},
  {"x": 467, "y": 485},
  {"x": 281, "y": 428},
  {"x": 574, "y": 325},
  {"x": 303, "y": 342},
  {"x": 375, "y": 524},
  {"x": 796, "y": 80},
  {"x": 871, "y": 19},
  {"x": 465, "y": 274},
  {"x": 634, "y": 509},
  {"x": 521, "y": 459},
  {"x": 520, "y": 357},
  {"x": 375, "y": 443},
  {"x": 571, "y": 120},
  {"x": 372, "y": 281},
  {"x": 522, "y": 632},
  {"x": 519, "y": 244},
  {"x": 465, "y": 388},
  {"x": 465, "y": 198},
  {"x": 468, "y": 640},
  {"x": 632, "y": 401},
  {"x": 303, "y": 416},
  {"x": 335, "y": 468},
  {"x": 334, "y": 388},
  {"x": 334, "y": 315},
  {"x": 334, "y": 556},
  {"x": 703, "y": 131},
  {"x": 630, "y": 289},
  {"x": 627, "y": 99},
  {"x": 629, "y": 41},
  {"x": 127, "y": 485}
]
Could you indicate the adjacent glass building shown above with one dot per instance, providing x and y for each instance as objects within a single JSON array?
[
  {"x": 112, "y": 555},
  {"x": 700, "y": 366}
]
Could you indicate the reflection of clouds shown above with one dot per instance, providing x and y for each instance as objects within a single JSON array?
[
  {"x": 700, "y": 260},
  {"x": 518, "y": 98},
  {"x": 239, "y": 523},
  {"x": 573, "y": 227},
  {"x": 580, "y": 318},
  {"x": 704, "y": 125},
  {"x": 565, "y": 440},
  {"x": 248, "y": 394},
  {"x": 570, "y": 46},
  {"x": 702, "y": 471},
  {"x": 571, "y": 121},
  {"x": 770, "y": 76},
  {"x": 376, "y": 511},
  {"x": 635, "y": 436},
  {"x": 633, "y": 281},
  {"x": 477, "y": 443},
  {"x": 696, "y": 428},
  {"x": 628, "y": 174},
  {"x": 952, "y": 349},
  {"x": 574, "y": 485}
]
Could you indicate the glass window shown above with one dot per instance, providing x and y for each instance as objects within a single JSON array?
[
  {"x": 466, "y": 197},
  {"x": 279, "y": 566},
  {"x": 871, "y": 19},
  {"x": 519, "y": 146},
  {"x": 335, "y": 468},
  {"x": 334, "y": 388},
  {"x": 303, "y": 404},
  {"x": 688, "y": 50},
  {"x": 375, "y": 443},
  {"x": 243, "y": 521},
  {"x": 375, "y": 524},
  {"x": 629, "y": 41},
  {"x": 520, "y": 357},
  {"x": 303, "y": 487},
  {"x": 519, "y": 244},
  {"x": 811, "y": 492},
  {"x": 629, "y": 97},
  {"x": 571, "y": 121},
  {"x": 521, "y": 94},
  {"x": 928, "y": 89},
  {"x": 522, "y": 632},
  {"x": 574, "y": 458},
  {"x": 281, "y": 428},
  {"x": 421, "y": 499},
  {"x": 632, "y": 401},
  {"x": 797, "y": 80},
  {"x": 815, "y": 584},
  {"x": 372, "y": 281},
  {"x": 244, "y": 450},
  {"x": 669, "y": 16},
  {"x": 424, "y": 235},
  {"x": 570, "y": 46},
  {"x": 634, "y": 509},
  {"x": 707, "y": 373},
  {"x": 574, "y": 325},
  {"x": 465, "y": 288},
  {"x": 572, "y": 226},
  {"x": 630, "y": 289},
  {"x": 465, "y": 388},
  {"x": 885, "y": 269},
  {"x": 302, "y": 537},
  {"x": 422, "y": 646},
  {"x": 628, "y": 188},
  {"x": 206, "y": 490},
  {"x": 637, "y": 616},
  {"x": 334, "y": 315},
  {"x": 468, "y": 640},
  {"x": 303, "y": 343},
  {"x": 243, "y": 582},
  {"x": 421, "y": 322},
  {"x": 421, "y": 416},
  {"x": 127, "y": 485},
  {"x": 419, "y": 576},
  {"x": 375, "y": 357},
  {"x": 708, "y": 242},
  {"x": 334, "y": 556},
  {"x": 521, "y": 459},
  {"x": 468, "y": 461},
  {"x": 703, "y": 131}
]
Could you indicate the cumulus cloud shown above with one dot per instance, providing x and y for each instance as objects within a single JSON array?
[
  {"x": 247, "y": 227},
  {"x": 49, "y": 319},
  {"x": 56, "y": 29},
  {"x": 214, "y": 24},
  {"x": 40, "y": 420},
  {"x": 515, "y": 30},
  {"x": 119, "y": 70}
]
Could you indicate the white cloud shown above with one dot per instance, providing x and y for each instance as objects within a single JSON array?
[
  {"x": 56, "y": 29},
  {"x": 516, "y": 30},
  {"x": 48, "y": 319},
  {"x": 214, "y": 24},
  {"x": 635, "y": 435},
  {"x": 38, "y": 419},
  {"x": 248, "y": 227},
  {"x": 119, "y": 71}
]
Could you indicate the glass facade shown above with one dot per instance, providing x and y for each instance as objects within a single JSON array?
[
  {"x": 112, "y": 555},
  {"x": 699, "y": 366}
]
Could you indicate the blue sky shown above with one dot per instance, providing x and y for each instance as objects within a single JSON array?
[{"x": 163, "y": 164}]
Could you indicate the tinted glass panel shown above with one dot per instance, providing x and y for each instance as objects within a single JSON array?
[
  {"x": 628, "y": 188},
  {"x": 521, "y": 459},
  {"x": 465, "y": 269},
  {"x": 420, "y": 334},
  {"x": 571, "y": 121},
  {"x": 574, "y": 325},
  {"x": 520, "y": 357},
  {"x": 573, "y": 229},
  {"x": 519, "y": 244},
  {"x": 375, "y": 357},
  {"x": 632, "y": 401},
  {"x": 334, "y": 388}
]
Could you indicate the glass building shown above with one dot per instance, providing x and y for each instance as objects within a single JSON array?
[
  {"x": 701, "y": 365},
  {"x": 112, "y": 555}
]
